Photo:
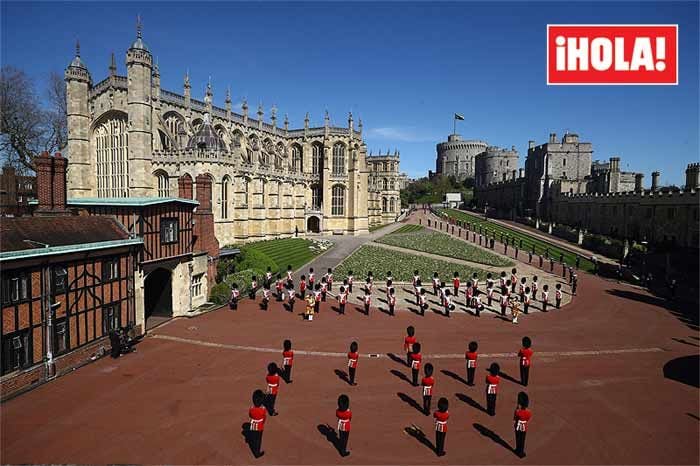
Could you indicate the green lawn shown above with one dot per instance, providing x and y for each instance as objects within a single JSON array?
[
  {"x": 380, "y": 261},
  {"x": 289, "y": 251},
  {"x": 528, "y": 241},
  {"x": 378, "y": 227},
  {"x": 420, "y": 239}
]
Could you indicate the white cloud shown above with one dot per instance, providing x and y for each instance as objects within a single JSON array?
[{"x": 401, "y": 134}]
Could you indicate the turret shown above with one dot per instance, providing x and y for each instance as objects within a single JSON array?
[
  {"x": 228, "y": 104},
  {"x": 139, "y": 67},
  {"x": 359, "y": 126},
  {"x": 692, "y": 176},
  {"x": 113, "y": 66},
  {"x": 209, "y": 97},
  {"x": 286, "y": 124},
  {"x": 244, "y": 108},
  {"x": 639, "y": 182},
  {"x": 261, "y": 113},
  {"x": 81, "y": 181},
  {"x": 156, "y": 84},
  {"x": 273, "y": 116},
  {"x": 187, "y": 90}
]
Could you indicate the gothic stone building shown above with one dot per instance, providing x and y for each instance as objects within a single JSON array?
[
  {"x": 127, "y": 137},
  {"x": 385, "y": 183}
]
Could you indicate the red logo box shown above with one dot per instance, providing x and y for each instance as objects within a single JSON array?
[{"x": 612, "y": 54}]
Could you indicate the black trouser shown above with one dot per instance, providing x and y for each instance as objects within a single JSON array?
[
  {"x": 233, "y": 305},
  {"x": 264, "y": 303},
  {"x": 367, "y": 309},
  {"x": 529, "y": 259},
  {"x": 323, "y": 296},
  {"x": 350, "y": 287},
  {"x": 526, "y": 307},
  {"x": 291, "y": 303},
  {"x": 343, "y": 437},
  {"x": 520, "y": 442},
  {"x": 351, "y": 372},
  {"x": 271, "y": 403},
  {"x": 503, "y": 310},
  {"x": 478, "y": 310},
  {"x": 573, "y": 289},
  {"x": 503, "y": 290},
  {"x": 414, "y": 376},
  {"x": 435, "y": 290},
  {"x": 391, "y": 309},
  {"x": 256, "y": 441},
  {"x": 302, "y": 294},
  {"x": 440, "y": 442},
  {"x": 287, "y": 374},
  {"x": 408, "y": 358},
  {"x": 512, "y": 288},
  {"x": 342, "y": 308},
  {"x": 544, "y": 306},
  {"x": 251, "y": 295},
  {"x": 522, "y": 297},
  {"x": 470, "y": 375},
  {"x": 491, "y": 404},
  {"x": 456, "y": 291},
  {"x": 317, "y": 306},
  {"x": 490, "y": 300},
  {"x": 524, "y": 374},
  {"x": 447, "y": 311},
  {"x": 558, "y": 301},
  {"x": 330, "y": 286},
  {"x": 426, "y": 404}
]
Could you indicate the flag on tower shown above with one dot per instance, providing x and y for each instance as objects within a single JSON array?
[{"x": 459, "y": 117}]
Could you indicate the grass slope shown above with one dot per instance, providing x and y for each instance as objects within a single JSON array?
[
  {"x": 442, "y": 244},
  {"x": 289, "y": 251},
  {"x": 379, "y": 260},
  {"x": 528, "y": 241}
]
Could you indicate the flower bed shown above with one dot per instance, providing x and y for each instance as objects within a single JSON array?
[
  {"x": 380, "y": 260},
  {"x": 439, "y": 243}
]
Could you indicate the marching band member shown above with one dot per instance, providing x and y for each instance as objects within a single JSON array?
[
  {"x": 545, "y": 297},
  {"x": 557, "y": 296},
  {"x": 471, "y": 356},
  {"x": 455, "y": 284},
  {"x": 492, "y": 381},
  {"x": 416, "y": 359},
  {"x": 441, "y": 416},
  {"x": 392, "y": 301},
  {"x": 273, "y": 382},
  {"x": 525, "y": 360},
  {"x": 287, "y": 361},
  {"x": 427, "y": 384},
  {"x": 344, "y": 416},
  {"x": 353, "y": 356},
  {"x": 257, "y": 415},
  {"x": 521, "y": 419}
]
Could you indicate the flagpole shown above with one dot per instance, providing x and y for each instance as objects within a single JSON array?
[{"x": 454, "y": 127}]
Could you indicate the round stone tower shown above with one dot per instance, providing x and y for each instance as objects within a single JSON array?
[
  {"x": 456, "y": 156},
  {"x": 494, "y": 165}
]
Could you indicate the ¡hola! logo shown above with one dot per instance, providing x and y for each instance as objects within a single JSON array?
[{"x": 614, "y": 54}]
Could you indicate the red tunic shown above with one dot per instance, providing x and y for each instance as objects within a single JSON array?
[
  {"x": 352, "y": 359},
  {"x": 368, "y": 299},
  {"x": 287, "y": 358},
  {"x": 416, "y": 359},
  {"x": 525, "y": 355},
  {"x": 257, "y": 417},
  {"x": 302, "y": 285},
  {"x": 273, "y": 383},
  {"x": 521, "y": 419},
  {"x": 428, "y": 383},
  {"x": 492, "y": 382},
  {"x": 455, "y": 282},
  {"x": 408, "y": 343},
  {"x": 441, "y": 420},
  {"x": 471, "y": 359},
  {"x": 344, "y": 418}
]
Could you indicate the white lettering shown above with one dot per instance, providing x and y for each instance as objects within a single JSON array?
[
  {"x": 560, "y": 41},
  {"x": 601, "y": 54},
  {"x": 620, "y": 63},
  {"x": 642, "y": 55},
  {"x": 577, "y": 55}
]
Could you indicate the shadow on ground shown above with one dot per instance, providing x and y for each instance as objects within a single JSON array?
[{"x": 685, "y": 370}]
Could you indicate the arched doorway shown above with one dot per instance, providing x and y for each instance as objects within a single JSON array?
[
  {"x": 158, "y": 297},
  {"x": 313, "y": 224}
]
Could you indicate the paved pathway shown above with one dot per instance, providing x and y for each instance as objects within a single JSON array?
[{"x": 343, "y": 246}]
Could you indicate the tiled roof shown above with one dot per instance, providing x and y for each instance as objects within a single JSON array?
[{"x": 128, "y": 201}]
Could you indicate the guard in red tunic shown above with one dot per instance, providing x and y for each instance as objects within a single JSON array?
[
  {"x": 392, "y": 301},
  {"x": 436, "y": 283},
  {"x": 557, "y": 295},
  {"x": 367, "y": 299},
  {"x": 521, "y": 419},
  {"x": 287, "y": 361},
  {"x": 312, "y": 279},
  {"x": 408, "y": 342},
  {"x": 302, "y": 287},
  {"x": 504, "y": 303},
  {"x": 535, "y": 287},
  {"x": 266, "y": 297},
  {"x": 513, "y": 280},
  {"x": 344, "y": 416},
  {"x": 527, "y": 297},
  {"x": 416, "y": 280},
  {"x": 289, "y": 272},
  {"x": 268, "y": 277},
  {"x": 329, "y": 279},
  {"x": 317, "y": 298},
  {"x": 427, "y": 384},
  {"x": 353, "y": 356},
  {"x": 422, "y": 302},
  {"x": 492, "y": 381},
  {"x": 416, "y": 359},
  {"x": 350, "y": 279},
  {"x": 441, "y": 416},
  {"x": 503, "y": 283},
  {"x": 273, "y": 383},
  {"x": 525, "y": 360},
  {"x": 235, "y": 294},
  {"x": 471, "y": 356},
  {"x": 521, "y": 289},
  {"x": 291, "y": 294},
  {"x": 257, "y": 415},
  {"x": 253, "y": 288},
  {"x": 475, "y": 282},
  {"x": 279, "y": 287},
  {"x": 489, "y": 288},
  {"x": 324, "y": 289},
  {"x": 389, "y": 280},
  {"x": 342, "y": 300},
  {"x": 545, "y": 297},
  {"x": 469, "y": 292},
  {"x": 455, "y": 284}
]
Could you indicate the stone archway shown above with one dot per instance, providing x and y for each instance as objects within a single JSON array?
[{"x": 313, "y": 224}]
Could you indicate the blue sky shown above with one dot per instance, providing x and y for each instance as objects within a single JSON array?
[{"x": 404, "y": 68}]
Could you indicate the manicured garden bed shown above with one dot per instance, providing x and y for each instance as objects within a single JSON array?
[
  {"x": 527, "y": 241},
  {"x": 442, "y": 244},
  {"x": 380, "y": 261}
]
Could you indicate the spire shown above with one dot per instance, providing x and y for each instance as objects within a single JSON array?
[
  {"x": 209, "y": 86},
  {"x": 286, "y": 121},
  {"x": 326, "y": 119},
  {"x": 228, "y": 95},
  {"x": 77, "y": 48},
  {"x": 138, "y": 43},
  {"x": 260, "y": 111},
  {"x": 77, "y": 62},
  {"x": 156, "y": 69},
  {"x": 139, "y": 26},
  {"x": 359, "y": 126},
  {"x": 187, "y": 79},
  {"x": 306, "y": 121}
]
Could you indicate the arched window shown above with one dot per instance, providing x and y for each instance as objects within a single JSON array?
[
  {"x": 338, "y": 200},
  {"x": 338, "y": 159},
  {"x": 392, "y": 208},
  {"x": 246, "y": 186},
  {"x": 384, "y": 204},
  {"x": 385, "y": 184},
  {"x": 315, "y": 197},
  {"x": 384, "y": 166},
  {"x": 163, "y": 184},
  {"x": 391, "y": 185},
  {"x": 175, "y": 125},
  {"x": 112, "y": 145},
  {"x": 317, "y": 159},
  {"x": 224, "y": 196},
  {"x": 297, "y": 160}
]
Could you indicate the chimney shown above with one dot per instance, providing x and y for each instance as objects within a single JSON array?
[
  {"x": 614, "y": 164},
  {"x": 184, "y": 187},
  {"x": 655, "y": 181},
  {"x": 638, "y": 182},
  {"x": 515, "y": 174},
  {"x": 203, "y": 193},
  {"x": 51, "y": 184},
  {"x": 692, "y": 176},
  {"x": 531, "y": 144},
  {"x": 552, "y": 138}
]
